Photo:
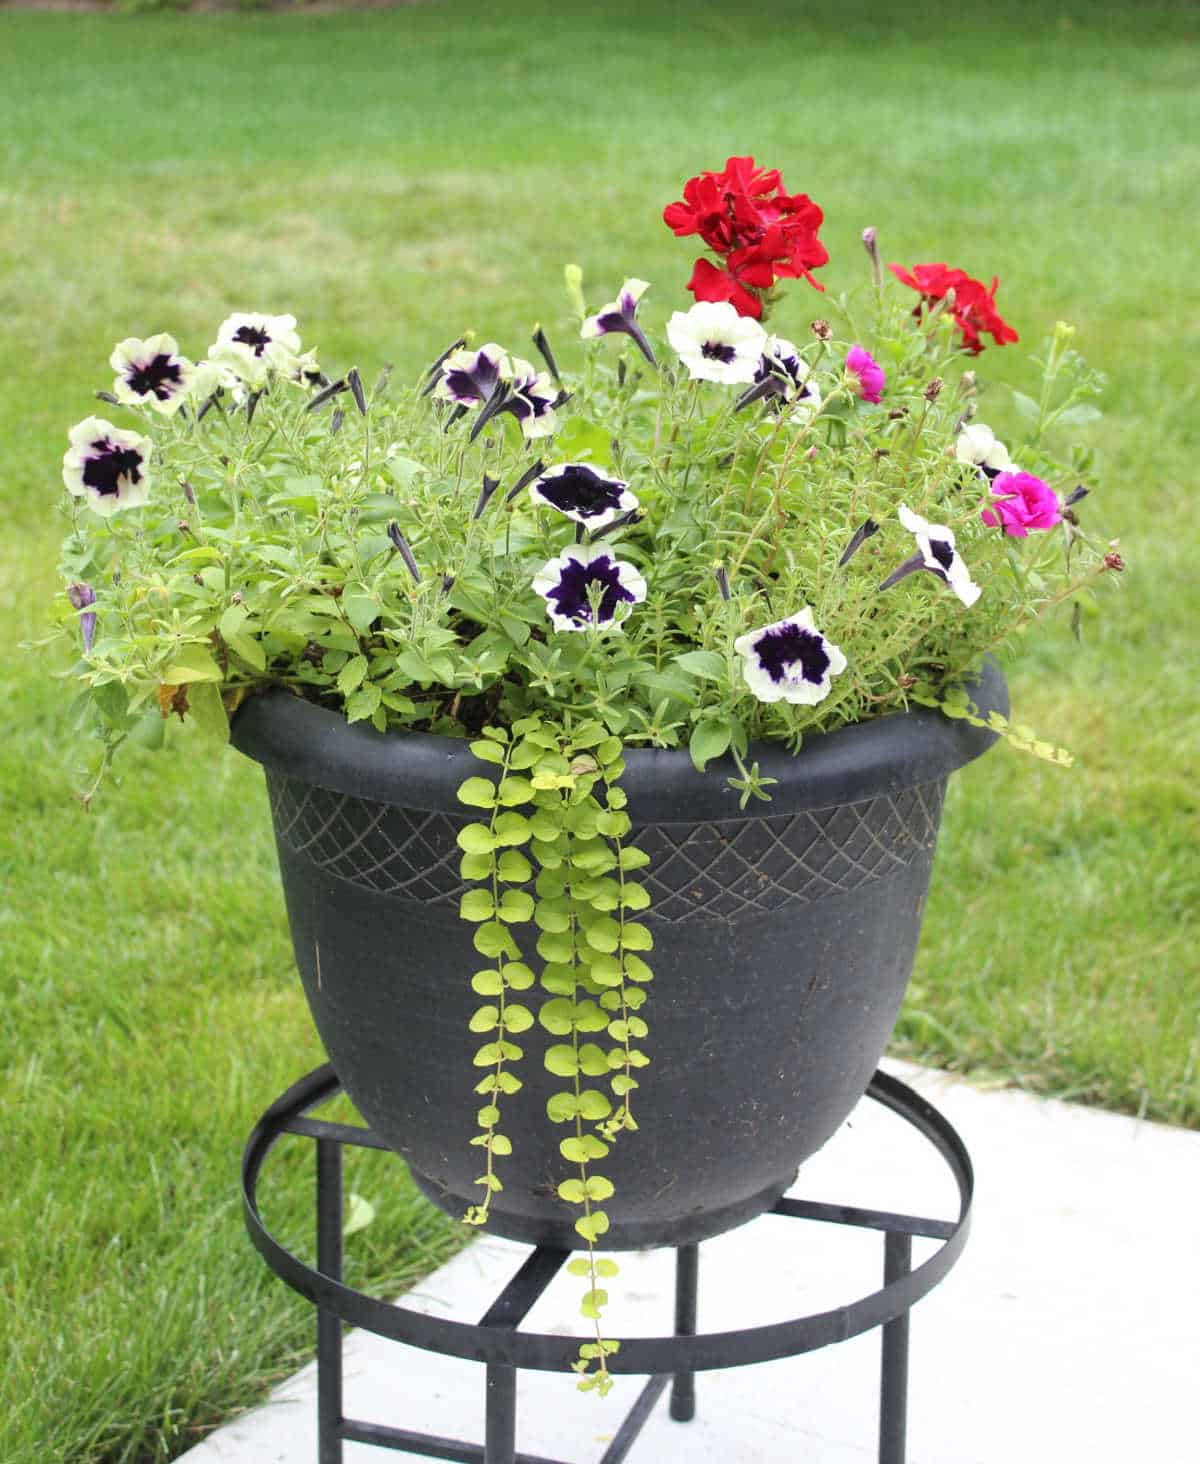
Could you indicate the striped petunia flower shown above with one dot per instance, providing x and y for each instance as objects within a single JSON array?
[
  {"x": 586, "y": 585},
  {"x": 790, "y": 661},
  {"x": 715, "y": 343},
  {"x": 583, "y": 494},
  {"x": 978, "y": 447},
  {"x": 252, "y": 345},
  {"x": 151, "y": 373},
  {"x": 619, "y": 317},
  {"x": 935, "y": 552},
  {"x": 106, "y": 466}
]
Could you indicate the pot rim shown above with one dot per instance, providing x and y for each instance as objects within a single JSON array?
[{"x": 421, "y": 771}]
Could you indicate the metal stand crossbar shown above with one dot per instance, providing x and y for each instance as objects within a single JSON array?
[{"x": 498, "y": 1341}]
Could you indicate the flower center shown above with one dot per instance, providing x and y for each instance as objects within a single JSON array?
[
  {"x": 790, "y": 648},
  {"x": 475, "y": 383},
  {"x": 252, "y": 335},
  {"x": 942, "y": 552},
  {"x": 104, "y": 471},
  {"x": 159, "y": 376},
  {"x": 718, "y": 351}
]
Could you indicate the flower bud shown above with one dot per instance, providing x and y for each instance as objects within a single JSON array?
[
  {"x": 1112, "y": 560},
  {"x": 966, "y": 385},
  {"x": 822, "y": 330},
  {"x": 934, "y": 389}
]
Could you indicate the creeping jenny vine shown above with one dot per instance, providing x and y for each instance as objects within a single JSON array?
[{"x": 570, "y": 812}]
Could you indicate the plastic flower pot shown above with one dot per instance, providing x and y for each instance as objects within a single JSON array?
[{"x": 784, "y": 939}]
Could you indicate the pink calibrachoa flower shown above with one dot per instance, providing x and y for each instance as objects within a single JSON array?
[
  {"x": 869, "y": 373},
  {"x": 1022, "y": 502}
]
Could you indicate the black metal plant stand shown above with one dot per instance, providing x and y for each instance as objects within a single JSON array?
[{"x": 497, "y": 1341}]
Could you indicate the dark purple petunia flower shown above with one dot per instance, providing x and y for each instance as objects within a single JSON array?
[
  {"x": 469, "y": 378},
  {"x": 106, "y": 466},
  {"x": 151, "y": 373},
  {"x": 583, "y": 494},
  {"x": 789, "y": 661},
  {"x": 584, "y": 573}
]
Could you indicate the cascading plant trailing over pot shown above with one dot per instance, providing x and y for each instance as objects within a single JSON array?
[{"x": 646, "y": 657}]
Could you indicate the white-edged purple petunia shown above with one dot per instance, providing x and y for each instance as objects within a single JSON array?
[
  {"x": 789, "y": 660},
  {"x": 251, "y": 345},
  {"x": 583, "y": 494},
  {"x": 107, "y": 466},
  {"x": 530, "y": 399},
  {"x": 715, "y": 343},
  {"x": 151, "y": 373},
  {"x": 469, "y": 377},
  {"x": 977, "y": 446},
  {"x": 619, "y": 317},
  {"x": 782, "y": 376},
  {"x": 586, "y": 585},
  {"x": 936, "y": 553}
]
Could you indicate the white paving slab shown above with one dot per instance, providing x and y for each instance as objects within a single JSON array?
[{"x": 1068, "y": 1332}]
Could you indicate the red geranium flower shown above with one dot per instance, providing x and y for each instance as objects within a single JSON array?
[
  {"x": 974, "y": 303},
  {"x": 762, "y": 233}
]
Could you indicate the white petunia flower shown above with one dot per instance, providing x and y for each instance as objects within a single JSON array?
[
  {"x": 251, "y": 345},
  {"x": 583, "y": 573},
  {"x": 789, "y": 661},
  {"x": 151, "y": 373},
  {"x": 468, "y": 377},
  {"x": 715, "y": 343},
  {"x": 976, "y": 445},
  {"x": 106, "y": 466},
  {"x": 938, "y": 555}
]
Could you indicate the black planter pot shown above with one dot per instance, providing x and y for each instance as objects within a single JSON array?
[{"x": 784, "y": 939}]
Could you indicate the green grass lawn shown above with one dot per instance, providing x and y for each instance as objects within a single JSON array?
[{"x": 394, "y": 177}]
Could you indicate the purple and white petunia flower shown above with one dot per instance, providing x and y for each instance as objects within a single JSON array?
[
  {"x": 789, "y": 661},
  {"x": 305, "y": 371},
  {"x": 469, "y": 378},
  {"x": 151, "y": 373},
  {"x": 619, "y": 317},
  {"x": 82, "y": 598},
  {"x": 782, "y": 376},
  {"x": 106, "y": 466},
  {"x": 209, "y": 377},
  {"x": 977, "y": 447},
  {"x": 583, "y": 494},
  {"x": 531, "y": 399},
  {"x": 251, "y": 345},
  {"x": 715, "y": 343},
  {"x": 586, "y": 585},
  {"x": 936, "y": 553}
]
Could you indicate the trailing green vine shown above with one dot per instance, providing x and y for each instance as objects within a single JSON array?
[{"x": 592, "y": 978}]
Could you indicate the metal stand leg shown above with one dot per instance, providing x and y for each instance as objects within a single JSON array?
[
  {"x": 687, "y": 1277},
  {"x": 893, "y": 1391},
  {"x": 500, "y": 1438},
  {"x": 329, "y": 1326}
]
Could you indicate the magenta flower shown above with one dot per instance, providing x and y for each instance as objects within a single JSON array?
[
  {"x": 869, "y": 372},
  {"x": 1022, "y": 502}
]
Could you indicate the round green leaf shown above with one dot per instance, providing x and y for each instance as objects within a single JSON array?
[
  {"x": 477, "y": 793},
  {"x": 476, "y": 838}
]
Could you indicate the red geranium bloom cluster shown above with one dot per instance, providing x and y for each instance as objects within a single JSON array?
[
  {"x": 759, "y": 232},
  {"x": 974, "y": 304}
]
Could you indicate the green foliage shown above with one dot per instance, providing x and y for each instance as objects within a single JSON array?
[
  {"x": 351, "y": 557},
  {"x": 574, "y": 822}
]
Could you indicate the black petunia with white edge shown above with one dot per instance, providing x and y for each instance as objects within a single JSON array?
[
  {"x": 106, "y": 466},
  {"x": 790, "y": 661},
  {"x": 581, "y": 575},
  {"x": 252, "y": 345},
  {"x": 151, "y": 373},
  {"x": 583, "y": 494}
]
